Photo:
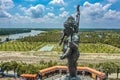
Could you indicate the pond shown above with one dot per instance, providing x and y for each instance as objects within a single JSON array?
[{"x": 20, "y": 35}]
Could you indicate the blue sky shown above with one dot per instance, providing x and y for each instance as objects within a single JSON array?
[{"x": 53, "y": 13}]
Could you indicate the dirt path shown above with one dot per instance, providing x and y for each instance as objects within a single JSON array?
[{"x": 35, "y": 57}]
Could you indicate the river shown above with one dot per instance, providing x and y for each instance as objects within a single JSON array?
[{"x": 20, "y": 35}]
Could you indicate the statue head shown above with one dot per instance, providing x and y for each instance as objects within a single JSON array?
[{"x": 70, "y": 26}]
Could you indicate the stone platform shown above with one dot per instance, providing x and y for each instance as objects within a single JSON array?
[
  {"x": 63, "y": 77},
  {"x": 67, "y": 78}
]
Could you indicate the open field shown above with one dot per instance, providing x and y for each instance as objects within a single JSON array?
[
  {"x": 36, "y": 57},
  {"x": 38, "y": 46},
  {"x": 20, "y": 46},
  {"x": 90, "y": 42}
]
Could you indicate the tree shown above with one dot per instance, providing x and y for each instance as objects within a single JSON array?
[
  {"x": 7, "y": 39},
  {"x": 107, "y": 67},
  {"x": 21, "y": 69},
  {"x": 14, "y": 65},
  {"x": 4, "y": 66},
  {"x": 18, "y": 69},
  {"x": 117, "y": 69}
]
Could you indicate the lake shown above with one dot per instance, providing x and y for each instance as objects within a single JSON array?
[{"x": 21, "y": 35}]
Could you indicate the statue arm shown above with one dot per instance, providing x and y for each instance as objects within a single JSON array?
[
  {"x": 78, "y": 16},
  {"x": 68, "y": 50},
  {"x": 66, "y": 53},
  {"x": 75, "y": 42},
  {"x": 74, "y": 45}
]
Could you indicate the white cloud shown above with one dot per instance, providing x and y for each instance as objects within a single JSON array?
[
  {"x": 52, "y": 15},
  {"x": 112, "y": 1},
  {"x": 22, "y": 8},
  {"x": 30, "y": 0},
  {"x": 33, "y": 16},
  {"x": 99, "y": 15},
  {"x": 112, "y": 14},
  {"x": 48, "y": 20},
  {"x": 62, "y": 9},
  {"x": 86, "y": 4},
  {"x": 64, "y": 14},
  {"x": 4, "y": 6},
  {"x": 98, "y": 11},
  {"x": 57, "y": 2},
  {"x": 50, "y": 8},
  {"x": 92, "y": 15},
  {"x": 4, "y": 14},
  {"x": 107, "y": 6},
  {"x": 17, "y": 18},
  {"x": 34, "y": 11},
  {"x": 94, "y": 11}
]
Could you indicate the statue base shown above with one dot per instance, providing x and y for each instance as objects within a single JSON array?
[{"x": 68, "y": 78}]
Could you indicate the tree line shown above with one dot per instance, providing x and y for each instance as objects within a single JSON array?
[
  {"x": 108, "y": 37},
  {"x": 21, "y": 68},
  {"x": 8, "y": 31}
]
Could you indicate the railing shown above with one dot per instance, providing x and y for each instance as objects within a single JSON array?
[{"x": 64, "y": 70}]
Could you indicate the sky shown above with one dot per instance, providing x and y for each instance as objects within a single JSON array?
[{"x": 53, "y": 13}]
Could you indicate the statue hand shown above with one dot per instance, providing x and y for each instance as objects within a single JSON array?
[{"x": 61, "y": 57}]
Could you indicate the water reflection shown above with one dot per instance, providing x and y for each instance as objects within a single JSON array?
[{"x": 20, "y": 35}]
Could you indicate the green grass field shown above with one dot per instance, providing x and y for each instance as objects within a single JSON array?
[
  {"x": 94, "y": 48},
  {"x": 108, "y": 43},
  {"x": 35, "y": 46},
  {"x": 20, "y": 46}
]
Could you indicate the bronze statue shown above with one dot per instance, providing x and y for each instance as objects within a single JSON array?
[{"x": 70, "y": 41}]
